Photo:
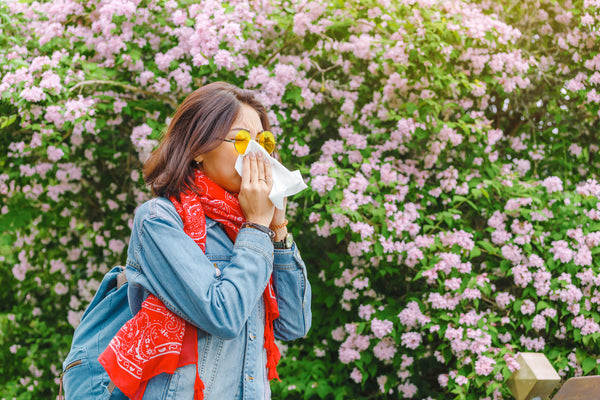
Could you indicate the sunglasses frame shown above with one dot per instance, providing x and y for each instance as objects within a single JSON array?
[{"x": 260, "y": 138}]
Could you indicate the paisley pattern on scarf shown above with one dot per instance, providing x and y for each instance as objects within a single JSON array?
[{"x": 160, "y": 333}]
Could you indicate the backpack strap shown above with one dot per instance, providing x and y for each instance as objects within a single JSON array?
[{"x": 121, "y": 279}]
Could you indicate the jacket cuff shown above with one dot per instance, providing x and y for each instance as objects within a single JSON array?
[{"x": 256, "y": 240}]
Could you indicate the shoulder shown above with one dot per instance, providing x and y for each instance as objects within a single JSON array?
[{"x": 157, "y": 208}]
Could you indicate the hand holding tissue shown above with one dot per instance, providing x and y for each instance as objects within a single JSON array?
[{"x": 285, "y": 182}]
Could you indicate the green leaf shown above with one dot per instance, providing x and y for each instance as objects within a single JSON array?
[
  {"x": 7, "y": 120},
  {"x": 588, "y": 365}
]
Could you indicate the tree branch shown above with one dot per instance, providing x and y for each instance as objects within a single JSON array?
[{"x": 132, "y": 88}]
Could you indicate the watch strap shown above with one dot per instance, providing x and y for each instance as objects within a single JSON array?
[{"x": 286, "y": 243}]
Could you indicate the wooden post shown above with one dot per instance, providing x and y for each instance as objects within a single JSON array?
[{"x": 536, "y": 379}]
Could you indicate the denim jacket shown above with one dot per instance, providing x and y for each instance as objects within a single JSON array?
[{"x": 220, "y": 293}]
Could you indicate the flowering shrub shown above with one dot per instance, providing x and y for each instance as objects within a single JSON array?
[{"x": 451, "y": 150}]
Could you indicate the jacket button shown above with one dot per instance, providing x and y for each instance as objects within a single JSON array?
[
  {"x": 250, "y": 378},
  {"x": 252, "y": 337}
]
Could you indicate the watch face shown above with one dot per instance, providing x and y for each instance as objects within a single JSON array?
[{"x": 288, "y": 241}]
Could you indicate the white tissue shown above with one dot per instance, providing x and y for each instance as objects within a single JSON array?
[{"x": 285, "y": 182}]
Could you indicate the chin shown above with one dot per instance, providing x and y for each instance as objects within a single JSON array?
[{"x": 233, "y": 189}]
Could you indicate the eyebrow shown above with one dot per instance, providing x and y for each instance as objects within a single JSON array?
[
  {"x": 239, "y": 129},
  {"x": 245, "y": 129}
]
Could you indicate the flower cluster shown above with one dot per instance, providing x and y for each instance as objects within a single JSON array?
[{"x": 450, "y": 148}]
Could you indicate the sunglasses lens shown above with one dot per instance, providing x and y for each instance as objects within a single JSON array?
[
  {"x": 267, "y": 141},
  {"x": 241, "y": 141}
]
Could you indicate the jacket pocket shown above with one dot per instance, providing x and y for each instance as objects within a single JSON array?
[{"x": 77, "y": 377}]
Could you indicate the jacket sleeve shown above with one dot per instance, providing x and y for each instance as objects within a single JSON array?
[
  {"x": 293, "y": 295},
  {"x": 178, "y": 272}
]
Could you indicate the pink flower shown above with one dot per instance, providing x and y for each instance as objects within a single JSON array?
[
  {"x": 412, "y": 315},
  {"x": 365, "y": 311},
  {"x": 162, "y": 85},
  {"x": 497, "y": 220},
  {"x": 60, "y": 288},
  {"x": 338, "y": 333},
  {"x": 33, "y": 94},
  {"x": 539, "y": 322},
  {"x": 361, "y": 283},
  {"x": 461, "y": 380},
  {"x": 511, "y": 363},
  {"x": 381, "y": 328},
  {"x": 356, "y": 375},
  {"x": 575, "y": 149},
  {"x": 145, "y": 77},
  {"x": 500, "y": 236},
  {"x": 163, "y": 60},
  {"x": 412, "y": 340},
  {"x": 522, "y": 276},
  {"x": 503, "y": 299},
  {"x": 443, "y": 380},
  {"x": 365, "y": 230},
  {"x": 528, "y": 307},
  {"x": 116, "y": 246},
  {"x": 407, "y": 389},
  {"x": 54, "y": 154},
  {"x": 484, "y": 365},
  {"x": 531, "y": 344},
  {"x": 561, "y": 251},
  {"x": 179, "y": 17},
  {"x": 347, "y": 355},
  {"x": 453, "y": 283},
  {"x": 515, "y": 204},
  {"x": 385, "y": 349},
  {"x": 512, "y": 253},
  {"x": 118, "y": 105},
  {"x": 590, "y": 327},
  {"x": 583, "y": 257},
  {"x": 74, "y": 318},
  {"x": 587, "y": 19},
  {"x": 50, "y": 80},
  {"x": 323, "y": 184}
]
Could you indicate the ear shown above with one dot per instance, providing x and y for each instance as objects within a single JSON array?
[{"x": 199, "y": 159}]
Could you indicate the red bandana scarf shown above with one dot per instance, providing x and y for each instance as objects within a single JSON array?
[{"x": 156, "y": 340}]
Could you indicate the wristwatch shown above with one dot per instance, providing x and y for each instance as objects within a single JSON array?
[
  {"x": 261, "y": 228},
  {"x": 286, "y": 243}
]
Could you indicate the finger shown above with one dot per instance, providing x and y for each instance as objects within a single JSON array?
[
  {"x": 268, "y": 173},
  {"x": 253, "y": 168},
  {"x": 246, "y": 171},
  {"x": 260, "y": 164}
]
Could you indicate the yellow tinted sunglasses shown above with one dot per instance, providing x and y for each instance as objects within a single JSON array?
[{"x": 243, "y": 137}]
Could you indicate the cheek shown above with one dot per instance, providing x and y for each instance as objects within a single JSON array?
[{"x": 221, "y": 169}]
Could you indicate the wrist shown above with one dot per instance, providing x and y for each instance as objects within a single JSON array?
[
  {"x": 280, "y": 229},
  {"x": 278, "y": 225},
  {"x": 280, "y": 234},
  {"x": 260, "y": 221}
]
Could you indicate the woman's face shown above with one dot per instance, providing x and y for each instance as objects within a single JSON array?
[{"x": 219, "y": 163}]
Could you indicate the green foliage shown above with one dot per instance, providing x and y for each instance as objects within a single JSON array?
[{"x": 451, "y": 150}]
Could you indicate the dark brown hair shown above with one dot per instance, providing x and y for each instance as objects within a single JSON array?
[{"x": 204, "y": 117}]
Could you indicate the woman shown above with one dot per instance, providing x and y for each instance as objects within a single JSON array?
[{"x": 213, "y": 275}]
